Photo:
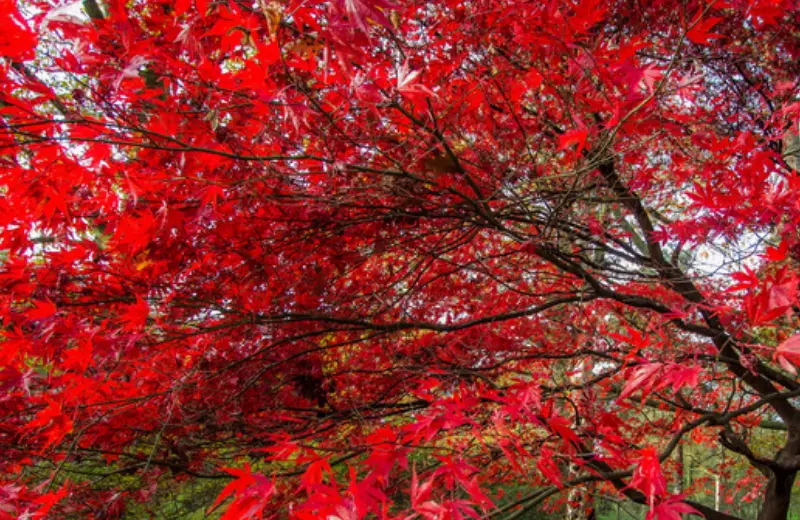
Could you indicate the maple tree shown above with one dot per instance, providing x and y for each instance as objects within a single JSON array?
[{"x": 383, "y": 258}]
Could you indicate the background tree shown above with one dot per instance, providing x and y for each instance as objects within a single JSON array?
[{"x": 351, "y": 258}]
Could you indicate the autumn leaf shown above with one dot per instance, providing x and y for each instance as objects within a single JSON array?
[
  {"x": 777, "y": 254},
  {"x": 420, "y": 493},
  {"x": 314, "y": 474},
  {"x": 41, "y": 310},
  {"x": 576, "y": 136},
  {"x": 51, "y": 423},
  {"x": 648, "y": 477},
  {"x": 654, "y": 376},
  {"x": 701, "y": 33},
  {"x": 17, "y": 41},
  {"x": 366, "y": 494},
  {"x": 782, "y": 295},
  {"x": 788, "y": 354},
  {"x": 746, "y": 280},
  {"x": 548, "y": 467},
  {"x": 212, "y": 196},
  {"x": 79, "y": 358},
  {"x": 244, "y": 479},
  {"x": 671, "y": 508},
  {"x": 775, "y": 296},
  {"x": 252, "y": 492},
  {"x": 408, "y": 82},
  {"x": 644, "y": 378},
  {"x": 135, "y": 315},
  {"x": 48, "y": 500}
]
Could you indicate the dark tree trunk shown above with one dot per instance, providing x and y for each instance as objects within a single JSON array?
[{"x": 777, "y": 496}]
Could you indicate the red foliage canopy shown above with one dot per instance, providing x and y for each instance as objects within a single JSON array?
[{"x": 356, "y": 258}]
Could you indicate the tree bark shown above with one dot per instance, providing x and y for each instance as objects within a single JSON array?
[{"x": 778, "y": 496}]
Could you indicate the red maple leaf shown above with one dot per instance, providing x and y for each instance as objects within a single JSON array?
[
  {"x": 51, "y": 423},
  {"x": 671, "y": 508},
  {"x": 135, "y": 315},
  {"x": 41, "y": 310},
  {"x": 648, "y": 477},
  {"x": 575, "y": 136},
  {"x": 17, "y": 41},
  {"x": 252, "y": 492},
  {"x": 701, "y": 33},
  {"x": 788, "y": 353},
  {"x": 48, "y": 500}
]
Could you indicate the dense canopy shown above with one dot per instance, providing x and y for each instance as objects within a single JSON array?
[{"x": 356, "y": 259}]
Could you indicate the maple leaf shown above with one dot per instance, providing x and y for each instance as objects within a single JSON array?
[
  {"x": 48, "y": 500},
  {"x": 386, "y": 452},
  {"x": 53, "y": 424},
  {"x": 638, "y": 339},
  {"x": 746, "y": 279},
  {"x": 765, "y": 12},
  {"x": 777, "y": 296},
  {"x": 782, "y": 295},
  {"x": 366, "y": 496},
  {"x": 644, "y": 378},
  {"x": 407, "y": 81},
  {"x": 252, "y": 492},
  {"x": 134, "y": 234},
  {"x": 12, "y": 379},
  {"x": 17, "y": 41},
  {"x": 562, "y": 427},
  {"x": 548, "y": 467},
  {"x": 313, "y": 476},
  {"x": 42, "y": 310},
  {"x": 575, "y": 136},
  {"x": 700, "y": 32},
  {"x": 79, "y": 358},
  {"x": 425, "y": 428},
  {"x": 360, "y": 12},
  {"x": 135, "y": 316},
  {"x": 788, "y": 354},
  {"x": 130, "y": 71},
  {"x": 282, "y": 449},
  {"x": 648, "y": 477},
  {"x": 671, "y": 508},
  {"x": 476, "y": 494},
  {"x": 651, "y": 377},
  {"x": 212, "y": 196},
  {"x": 420, "y": 493},
  {"x": 777, "y": 254}
]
